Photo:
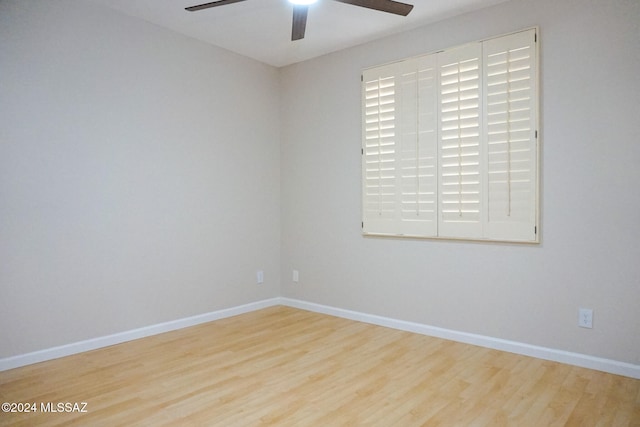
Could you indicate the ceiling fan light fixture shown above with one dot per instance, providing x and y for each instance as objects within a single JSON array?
[{"x": 300, "y": 10}]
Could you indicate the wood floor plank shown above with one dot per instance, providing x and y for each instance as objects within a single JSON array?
[{"x": 287, "y": 367}]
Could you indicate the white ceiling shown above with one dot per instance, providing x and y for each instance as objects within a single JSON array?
[{"x": 261, "y": 29}]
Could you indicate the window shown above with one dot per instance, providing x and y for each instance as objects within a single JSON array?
[{"x": 450, "y": 143}]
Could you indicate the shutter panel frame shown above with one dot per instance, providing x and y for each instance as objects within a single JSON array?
[
  {"x": 511, "y": 109},
  {"x": 379, "y": 148},
  {"x": 460, "y": 186}
]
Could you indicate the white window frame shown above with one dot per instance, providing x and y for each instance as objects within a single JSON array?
[{"x": 450, "y": 143}]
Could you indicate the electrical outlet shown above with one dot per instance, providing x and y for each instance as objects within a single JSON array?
[
  {"x": 585, "y": 318},
  {"x": 260, "y": 277},
  {"x": 296, "y": 276}
]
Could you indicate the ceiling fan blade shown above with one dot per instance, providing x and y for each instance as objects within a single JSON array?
[
  {"x": 299, "y": 22},
  {"x": 382, "y": 5},
  {"x": 212, "y": 4}
]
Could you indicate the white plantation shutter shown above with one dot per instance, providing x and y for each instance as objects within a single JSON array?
[
  {"x": 450, "y": 143},
  {"x": 510, "y": 97},
  {"x": 418, "y": 163},
  {"x": 399, "y": 150},
  {"x": 380, "y": 126},
  {"x": 459, "y": 142}
]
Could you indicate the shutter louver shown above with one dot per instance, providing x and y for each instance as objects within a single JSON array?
[
  {"x": 460, "y": 142},
  {"x": 510, "y": 94}
]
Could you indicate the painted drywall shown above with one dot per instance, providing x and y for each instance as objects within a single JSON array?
[
  {"x": 139, "y": 175},
  {"x": 590, "y": 250}
]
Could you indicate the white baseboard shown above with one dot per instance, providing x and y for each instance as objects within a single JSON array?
[
  {"x": 576, "y": 359},
  {"x": 92, "y": 344}
]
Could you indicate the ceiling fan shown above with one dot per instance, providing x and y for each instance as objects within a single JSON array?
[{"x": 301, "y": 7}]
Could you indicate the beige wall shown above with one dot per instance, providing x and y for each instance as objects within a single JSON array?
[
  {"x": 139, "y": 175},
  {"x": 590, "y": 251}
]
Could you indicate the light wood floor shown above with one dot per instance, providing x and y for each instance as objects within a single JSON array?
[{"x": 286, "y": 367}]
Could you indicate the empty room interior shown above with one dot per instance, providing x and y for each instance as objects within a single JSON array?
[{"x": 186, "y": 235}]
